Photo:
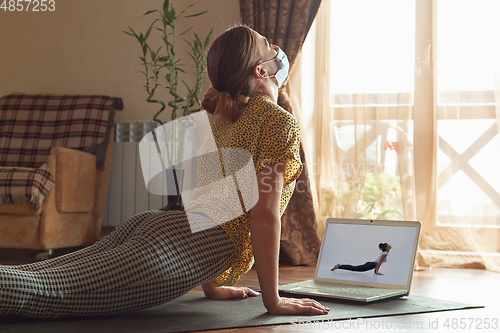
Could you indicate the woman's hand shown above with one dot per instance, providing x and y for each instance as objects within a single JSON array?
[
  {"x": 224, "y": 292},
  {"x": 287, "y": 306}
]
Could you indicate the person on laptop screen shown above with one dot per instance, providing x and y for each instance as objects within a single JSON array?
[{"x": 369, "y": 265}]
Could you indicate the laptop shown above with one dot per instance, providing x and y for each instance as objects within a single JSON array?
[{"x": 354, "y": 244}]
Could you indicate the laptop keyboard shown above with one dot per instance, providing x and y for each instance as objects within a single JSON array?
[{"x": 344, "y": 289}]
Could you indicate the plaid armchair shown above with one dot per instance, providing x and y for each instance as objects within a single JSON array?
[{"x": 55, "y": 159}]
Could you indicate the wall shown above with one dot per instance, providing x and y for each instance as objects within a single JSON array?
[{"x": 81, "y": 48}]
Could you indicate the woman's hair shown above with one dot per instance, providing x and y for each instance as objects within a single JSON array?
[
  {"x": 383, "y": 246},
  {"x": 230, "y": 64}
]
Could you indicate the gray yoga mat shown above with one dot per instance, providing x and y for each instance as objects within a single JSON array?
[{"x": 193, "y": 312}]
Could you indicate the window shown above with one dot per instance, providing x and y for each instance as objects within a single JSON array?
[
  {"x": 468, "y": 54},
  {"x": 436, "y": 60},
  {"x": 373, "y": 54}
]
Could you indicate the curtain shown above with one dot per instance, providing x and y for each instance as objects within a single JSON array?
[
  {"x": 286, "y": 23},
  {"x": 431, "y": 157}
]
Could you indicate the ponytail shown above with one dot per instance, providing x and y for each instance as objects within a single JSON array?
[{"x": 223, "y": 104}]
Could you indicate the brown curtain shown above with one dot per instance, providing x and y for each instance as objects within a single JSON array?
[{"x": 286, "y": 23}]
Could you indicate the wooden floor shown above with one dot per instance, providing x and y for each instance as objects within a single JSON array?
[{"x": 463, "y": 285}]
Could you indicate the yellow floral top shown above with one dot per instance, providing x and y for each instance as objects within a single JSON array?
[{"x": 271, "y": 135}]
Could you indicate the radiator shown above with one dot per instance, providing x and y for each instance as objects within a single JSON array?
[{"x": 127, "y": 194}]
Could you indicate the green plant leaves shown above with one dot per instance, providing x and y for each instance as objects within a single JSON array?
[
  {"x": 149, "y": 30},
  {"x": 164, "y": 59},
  {"x": 207, "y": 40},
  {"x": 198, "y": 14},
  {"x": 149, "y": 12},
  {"x": 185, "y": 31}
]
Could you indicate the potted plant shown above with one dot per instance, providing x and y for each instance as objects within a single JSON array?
[
  {"x": 165, "y": 63},
  {"x": 366, "y": 195}
]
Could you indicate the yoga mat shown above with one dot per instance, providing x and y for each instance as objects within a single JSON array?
[{"x": 193, "y": 312}]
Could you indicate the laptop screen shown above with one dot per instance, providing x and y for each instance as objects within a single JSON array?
[{"x": 359, "y": 247}]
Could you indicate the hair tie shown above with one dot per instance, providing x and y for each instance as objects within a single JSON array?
[{"x": 225, "y": 94}]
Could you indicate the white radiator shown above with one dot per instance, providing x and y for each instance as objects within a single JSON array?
[{"x": 127, "y": 194}]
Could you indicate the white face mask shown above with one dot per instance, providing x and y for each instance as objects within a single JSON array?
[{"x": 283, "y": 69}]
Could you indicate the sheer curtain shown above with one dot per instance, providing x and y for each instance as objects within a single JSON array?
[
  {"x": 362, "y": 152},
  {"x": 404, "y": 123}
]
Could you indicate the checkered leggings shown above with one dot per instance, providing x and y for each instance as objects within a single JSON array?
[{"x": 151, "y": 259}]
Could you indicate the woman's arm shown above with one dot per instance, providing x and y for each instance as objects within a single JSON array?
[
  {"x": 379, "y": 263},
  {"x": 265, "y": 228}
]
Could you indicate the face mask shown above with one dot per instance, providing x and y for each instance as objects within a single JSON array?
[{"x": 283, "y": 64}]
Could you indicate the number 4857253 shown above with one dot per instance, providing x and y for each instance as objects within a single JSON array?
[{"x": 28, "y": 5}]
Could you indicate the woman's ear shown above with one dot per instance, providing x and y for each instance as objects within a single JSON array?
[{"x": 259, "y": 72}]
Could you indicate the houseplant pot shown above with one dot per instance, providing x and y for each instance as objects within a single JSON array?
[{"x": 174, "y": 181}]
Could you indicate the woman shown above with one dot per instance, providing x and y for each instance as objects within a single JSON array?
[
  {"x": 369, "y": 265},
  {"x": 154, "y": 257}
]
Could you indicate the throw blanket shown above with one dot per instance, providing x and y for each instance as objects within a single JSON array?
[
  {"x": 22, "y": 185},
  {"x": 30, "y": 125}
]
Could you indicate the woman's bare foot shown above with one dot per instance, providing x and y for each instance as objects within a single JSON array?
[{"x": 335, "y": 267}]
